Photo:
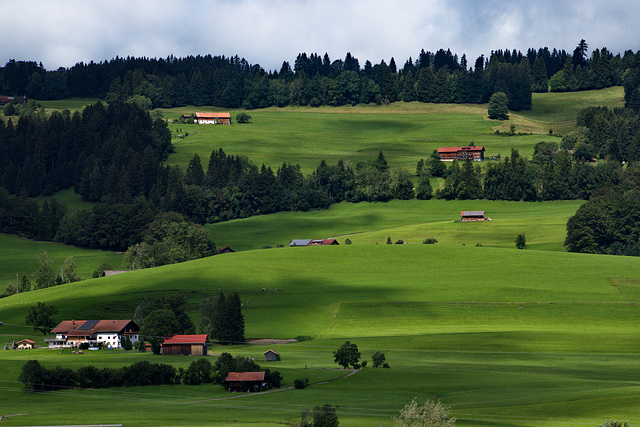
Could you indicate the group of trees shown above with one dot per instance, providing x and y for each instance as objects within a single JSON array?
[
  {"x": 349, "y": 355},
  {"x": 608, "y": 222},
  {"x": 222, "y": 319},
  {"x": 107, "y": 153},
  {"x": 163, "y": 317},
  {"x": 317, "y": 80},
  {"x": 45, "y": 276}
]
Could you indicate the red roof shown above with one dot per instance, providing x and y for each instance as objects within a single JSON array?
[
  {"x": 75, "y": 327},
  {"x": 245, "y": 376},
  {"x": 213, "y": 115},
  {"x": 186, "y": 339},
  {"x": 67, "y": 325},
  {"x": 456, "y": 149},
  {"x": 26, "y": 340}
]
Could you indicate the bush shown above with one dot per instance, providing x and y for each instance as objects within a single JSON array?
[
  {"x": 300, "y": 384},
  {"x": 400, "y": 242},
  {"x": 378, "y": 359},
  {"x": 347, "y": 241},
  {"x": 430, "y": 241},
  {"x": 127, "y": 344},
  {"x": 243, "y": 118}
]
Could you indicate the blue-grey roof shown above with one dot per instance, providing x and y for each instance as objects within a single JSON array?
[
  {"x": 300, "y": 242},
  {"x": 472, "y": 213},
  {"x": 88, "y": 325}
]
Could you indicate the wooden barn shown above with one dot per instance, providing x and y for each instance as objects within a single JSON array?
[
  {"x": 462, "y": 153},
  {"x": 245, "y": 381},
  {"x": 471, "y": 216},
  {"x": 213, "y": 118},
  {"x": 188, "y": 345},
  {"x": 271, "y": 355}
]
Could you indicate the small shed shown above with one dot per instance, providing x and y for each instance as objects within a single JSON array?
[
  {"x": 271, "y": 355},
  {"x": 25, "y": 344},
  {"x": 188, "y": 345},
  {"x": 225, "y": 250},
  {"x": 471, "y": 216},
  {"x": 245, "y": 381}
]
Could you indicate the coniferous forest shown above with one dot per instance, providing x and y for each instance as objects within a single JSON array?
[{"x": 318, "y": 80}]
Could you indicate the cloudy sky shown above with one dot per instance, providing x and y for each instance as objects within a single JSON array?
[{"x": 267, "y": 32}]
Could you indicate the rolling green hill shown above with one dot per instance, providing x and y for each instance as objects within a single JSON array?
[
  {"x": 503, "y": 336},
  {"x": 412, "y": 221}
]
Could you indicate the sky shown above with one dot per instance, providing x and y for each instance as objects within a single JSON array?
[{"x": 268, "y": 32}]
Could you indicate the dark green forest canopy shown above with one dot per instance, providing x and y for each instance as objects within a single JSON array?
[{"x": 317, "y": 80}]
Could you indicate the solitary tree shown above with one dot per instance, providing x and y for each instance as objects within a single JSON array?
[
  {"x": 432, "y": 414},
  {"x": 521, "y": 241},
  {"x": 498, "y": 106},
  {"x": 323, "y": 416},
  {"x": 44, "y": 277},
  {"x": 346, "y": 355},
  {"x": 378, "y": 359},
  {"x": 40, "y": 317}
]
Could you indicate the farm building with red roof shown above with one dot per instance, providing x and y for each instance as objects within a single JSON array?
[
  {"x": 462, "y": 153},
  {"x": 111, "y": 333},
  {"x": 245, "y": 381},
  {"x": 188, "y": 345},
  {"x": 213, "y": 118}
]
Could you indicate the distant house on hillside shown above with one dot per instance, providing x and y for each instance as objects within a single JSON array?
[
  {"x": 470, "y": 216},
  {"x": 312, "y": 242},
  {"x": 245, "y": 381},
  {"x": 72, "y": 333},
  {"x": 462, "y": 153},
  {"x": 188, "y": 345},
  {"x": 25, "y": 344},
  {"x": 213, "y": 118},
  {"x": 225, "y": 250}
]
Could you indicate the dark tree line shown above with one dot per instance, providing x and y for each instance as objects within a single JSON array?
[
  {"x": 317, "y": 80},
  {"x": 37, "y": 378},
  {"x": 108, "y": 153},
  {"x": 608, "y": 222}
]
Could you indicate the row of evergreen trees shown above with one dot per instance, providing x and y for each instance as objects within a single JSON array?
[
  {"x": 109, "y": 151},
  {"x": 315, "y": 80}
]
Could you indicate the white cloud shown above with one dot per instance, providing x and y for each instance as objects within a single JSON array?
[{"x": 268, "y": 32}]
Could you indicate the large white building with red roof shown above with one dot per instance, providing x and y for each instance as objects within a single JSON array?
[
  {"x": 462, "y": 153},
  {"x": 110, "y": 333}
]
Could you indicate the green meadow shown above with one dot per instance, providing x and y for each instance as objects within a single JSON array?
[
  {"x": 18, "y": 257},
  {"x": 505, "y": 337},
  {"x": 404, "y": 132},
  {"x": 544, "y": 224}
]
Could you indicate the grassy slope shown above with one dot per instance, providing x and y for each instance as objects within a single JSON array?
[
  {"x": 412, "y": 221},
  {"x": 18, "y": 256},
  {"x": 497, "y": 333},
  {"x": 405, "y": 132}
]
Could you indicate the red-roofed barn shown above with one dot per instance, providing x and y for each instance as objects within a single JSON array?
[
  {"x": 188, "y": 345},
  {"x": 213, "y": 118},
  {"x": 245, "y": 381},
  {"x": 462, "y": 153}
]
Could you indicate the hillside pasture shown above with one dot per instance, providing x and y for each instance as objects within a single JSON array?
[
  {"x": 404, "y": 132},
  {"x": 544, "y": 224},
  {"x": 506, "y": 337},
  {"x": 18, "y": 256}
]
